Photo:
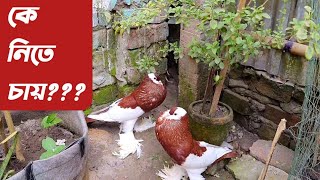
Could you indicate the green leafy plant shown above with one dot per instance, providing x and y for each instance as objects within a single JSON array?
[
  {"x": 51, "y": 148},
  {"x": 50, "y": 120},
  {"x": 146, "y": 64},
  {"x": 306, "y": 31},
  {"x": 230, "y": 35},
  {"x": 172, "y": 47}
]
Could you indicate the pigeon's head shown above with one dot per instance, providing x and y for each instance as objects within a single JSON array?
[
  {"x": 155, "y": 79},
  {"x": 175, "y": 113}
]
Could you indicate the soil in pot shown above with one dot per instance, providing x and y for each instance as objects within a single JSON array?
[
  {"x": 213, "y": 130},
  {"x": 31, "y": 134}
]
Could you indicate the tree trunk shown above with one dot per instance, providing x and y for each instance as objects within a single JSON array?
[
  {"x": 223, "y": 73},
  {"x": 208, "y": 92},
  {"x": 219, "y": 87}
]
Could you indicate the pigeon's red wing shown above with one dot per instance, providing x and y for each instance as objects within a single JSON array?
[{"x": 128, "y": 102}]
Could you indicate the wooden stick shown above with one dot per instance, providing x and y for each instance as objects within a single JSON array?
[
  {"x": 292, "y": 47},
  {"x": 11, "y": 128},
  {"x": 3, "y": 136},
  {"x": 281, "y": 128}
]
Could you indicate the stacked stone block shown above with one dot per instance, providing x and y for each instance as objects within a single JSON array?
[
  {"x": 261, "y": 101},
  {"x": 115, "y": 56}
]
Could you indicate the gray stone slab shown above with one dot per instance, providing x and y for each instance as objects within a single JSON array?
[
  {"x": 282, "y": 156},
  {"x": 248, "y": 168}
]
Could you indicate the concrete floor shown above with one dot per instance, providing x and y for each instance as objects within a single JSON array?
[{"x": 103, "y": 165}]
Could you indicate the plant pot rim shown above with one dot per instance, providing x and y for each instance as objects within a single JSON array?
[{"x": 210, "y": 120}]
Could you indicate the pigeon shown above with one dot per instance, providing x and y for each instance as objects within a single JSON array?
[
  {"x": 126, "y": 111},
  {"x": 191, "y": 157}
]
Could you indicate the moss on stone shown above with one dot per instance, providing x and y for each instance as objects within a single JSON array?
[
  {"x": 88, "y": 111},
  {"x": 213, "y": 134},
  {"x": 126, "y": 90},
  {"x": 97, "y": 56},
  {"x": 113, "y": 71},
  {"x": 134, "y": 56},
  {"x": 186, "y": 95},
  {"x": 105, "y": 95}
]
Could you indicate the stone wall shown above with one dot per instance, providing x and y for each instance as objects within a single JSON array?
[
  {"x": 261, "y": 91},
  {"x": 114, "y": 56},
  {"x": 261, "y": 101}
]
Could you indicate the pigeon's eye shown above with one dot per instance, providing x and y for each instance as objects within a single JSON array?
[
  {"x": 155, "y": 78},
  {"x": 175, "y": 114}
]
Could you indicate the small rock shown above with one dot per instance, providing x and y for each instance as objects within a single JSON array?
[
  {"x": 292, "y": 107},
  {"x": 248, "y": 168},
  {"x": 281, "y": 158},
  {"x": 247, "y": 140},
  {"x": 212, "y": 170},
  {"x": 257, "y": 106},
  {"x": 255, "y": 125},
  {"x": 240, "y": 135},
  {"x": 237, "y": 83}
]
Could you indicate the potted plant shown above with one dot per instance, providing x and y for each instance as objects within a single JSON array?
[
  {"x": 230, "y": 36},
  {"x": 46, "y": 143}
]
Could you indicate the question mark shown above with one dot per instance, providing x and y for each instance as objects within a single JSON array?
[
  {"x": 80, "y": 88},
  {"x": 53, "y": 89},
  {"x": 66, "y": 88}
]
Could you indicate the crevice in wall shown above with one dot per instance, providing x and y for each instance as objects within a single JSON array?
[{"x": 173, "y": 65}]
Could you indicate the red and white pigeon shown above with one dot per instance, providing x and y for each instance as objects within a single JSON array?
[
  {"x": 147, "y": 96},
  {"x": 191, "y": 157}
]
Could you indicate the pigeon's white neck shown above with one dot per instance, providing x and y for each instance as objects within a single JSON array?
[{"x": 154, "y": 78}]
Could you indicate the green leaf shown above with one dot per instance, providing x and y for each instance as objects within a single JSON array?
[
  {"x": 50, "y": 120},
  {"x": 47, "y": 154},
  {"x": 221, "y": 65},
  {"x": 239, "y": 40},
  {"x": 107, "y": 16},
  {"x": 308, "y": 8},
  {"x": 309, "y": 53},
  {"x": 217, "y": 60},
  {"x": 265, "y": 15},
  {"x": 211, "y": 64},
  {"x": 59, "y": 149},
  {"x": 316, "y": 48},
  {"x": 231, "y": 50},
  {"x": 213, "y": 24},
  {"x": 48, "y": 144},
  {"x": 216, "y": 78},
  {"x": 302, "y": 34}
]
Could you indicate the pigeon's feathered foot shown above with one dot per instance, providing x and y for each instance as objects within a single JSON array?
[
  {"x": 195, "y": 174},
  {"x": 128, "y": 145},
  {"x": 176, "y": 172}
]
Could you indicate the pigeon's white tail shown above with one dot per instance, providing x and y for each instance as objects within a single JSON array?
[
  {"x": 128, "y": 145},
  {"x": 176, "y": 172},
  {"x": 100, "y": 117},
  {"x": 144, "y": 124}
]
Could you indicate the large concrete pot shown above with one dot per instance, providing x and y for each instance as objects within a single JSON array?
[
  {"x": 210, "y": 130},
  {"x": 70, "y": 163}
]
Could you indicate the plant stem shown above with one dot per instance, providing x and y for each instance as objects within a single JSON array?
[
  {"x": 3, "y": 136},
  {"x": 11, "y": 128},
  {"x": 8, "y": 156},
  {"x": 219, "y": 87},
  {"x": 223, "y": 73},
  {"x": 208, "y": 91}
]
